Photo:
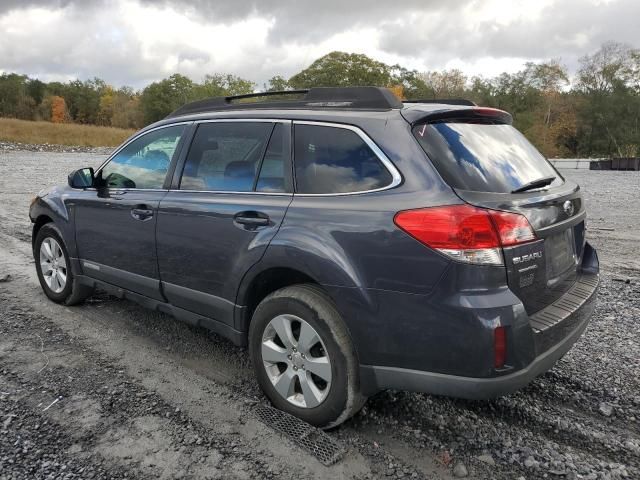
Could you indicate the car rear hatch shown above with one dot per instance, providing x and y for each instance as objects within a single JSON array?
[{"x": 491, "y": 165}]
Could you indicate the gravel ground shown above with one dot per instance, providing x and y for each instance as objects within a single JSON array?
[
  {"x": 140, "y": 395},
  {"x": 48, "y": 147}
]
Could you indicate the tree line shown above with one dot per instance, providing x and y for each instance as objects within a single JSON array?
[{"x": 594, "y": 113}]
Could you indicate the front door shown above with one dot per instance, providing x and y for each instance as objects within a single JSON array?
[
  {"x": 116, "y": 221},
  {"x": 233, "y": 193}
]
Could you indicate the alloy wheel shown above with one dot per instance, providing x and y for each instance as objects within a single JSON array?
[
  {"x": 296, "y": 361},
  {"x": 53, "y": 265}
]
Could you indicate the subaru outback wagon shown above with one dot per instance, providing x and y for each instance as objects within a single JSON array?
[{"x": 351, "y": 241}]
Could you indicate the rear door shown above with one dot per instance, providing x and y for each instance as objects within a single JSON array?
[
  {"x": 490, "y": 164},
  {"x": 227, "y": 202}
]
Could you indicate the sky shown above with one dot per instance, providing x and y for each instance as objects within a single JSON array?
[{"x": 136, "y": 42}]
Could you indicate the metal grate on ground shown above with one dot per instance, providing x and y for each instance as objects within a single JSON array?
[{"x": 309, "y": 438}]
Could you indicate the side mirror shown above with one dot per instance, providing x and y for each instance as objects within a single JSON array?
[{"x": 82, "y": 178}]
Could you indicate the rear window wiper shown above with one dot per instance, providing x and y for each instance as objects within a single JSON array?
[{"x": 541, "y": 182}]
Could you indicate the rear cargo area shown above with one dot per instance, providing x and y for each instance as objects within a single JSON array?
[{"x": 489, "y": 164}]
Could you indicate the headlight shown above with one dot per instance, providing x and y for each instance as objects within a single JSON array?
[{"x": 33, "y": 200}]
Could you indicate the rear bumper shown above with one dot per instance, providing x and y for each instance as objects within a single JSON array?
[{"x": 555, "y": 329}]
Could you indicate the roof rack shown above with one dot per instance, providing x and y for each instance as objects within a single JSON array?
[
  {"x": 362, "y": 98},
  {"x": 446, "y": 101}
]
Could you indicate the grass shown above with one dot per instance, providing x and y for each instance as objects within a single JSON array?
[{"x": 23, "y": 131}]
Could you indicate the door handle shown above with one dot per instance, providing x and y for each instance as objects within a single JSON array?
[
  {"x": 251, "y": 219},
  {"x": 142, "y": 212}
]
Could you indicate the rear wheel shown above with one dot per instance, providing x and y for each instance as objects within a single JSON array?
[
  {"x": 303, "y": 356},
  {"x": 54, "y": 268}
]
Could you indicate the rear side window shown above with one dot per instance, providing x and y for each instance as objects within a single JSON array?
[
  {"x": 335, "y": 160},
  {"x": 483, "y": 157},
  {"x": 225, "y": 156}
]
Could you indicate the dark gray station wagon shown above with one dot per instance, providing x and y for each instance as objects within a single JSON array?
[{"x": 353, "y": 242}]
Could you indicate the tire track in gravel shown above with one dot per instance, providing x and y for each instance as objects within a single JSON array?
[
  {"x": 33, "y": 446},
  {"x": 106, "y": 412},
  {"x": 579, "y": 430},
  {"x": 209, "y": 379},
  {"x": 467, "y": 430}
]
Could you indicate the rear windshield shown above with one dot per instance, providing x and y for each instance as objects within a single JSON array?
[{"x": 483, "y": 157}]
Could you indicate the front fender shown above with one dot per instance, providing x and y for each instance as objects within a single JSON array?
[{"x": 52, "y": 203}]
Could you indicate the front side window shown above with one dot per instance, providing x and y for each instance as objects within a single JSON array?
[
  {"x": 144, "y": 162},
  {"x": 225, "y": 156},
  {"x": 335, "y": 160}
]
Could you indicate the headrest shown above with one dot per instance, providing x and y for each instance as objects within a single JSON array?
[
  {"x": 156, "y": 156},
  {"x": 239, "y": 169}
]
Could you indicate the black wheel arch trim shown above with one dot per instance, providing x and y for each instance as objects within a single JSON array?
[
  {"x": 54, "y": 208},
  {"x": 294, "y": 259}
]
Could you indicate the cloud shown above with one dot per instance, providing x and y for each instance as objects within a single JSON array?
[
  {"x": 537, "y": 30},
  {"x": 135, "y": 42},
  {"x": 304, "y": 20},
  {"x": 8, "y": 5},
  {"x": 68, "y": 43}
]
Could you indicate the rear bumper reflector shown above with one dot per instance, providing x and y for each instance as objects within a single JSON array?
[{"x": 500, "y": 347}]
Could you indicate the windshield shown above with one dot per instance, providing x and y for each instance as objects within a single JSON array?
[{"x": 483, "y": 157}]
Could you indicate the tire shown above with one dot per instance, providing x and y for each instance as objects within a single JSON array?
[
  {"x": 336, "y": 396},
  {"x": 55, "y": 258}
]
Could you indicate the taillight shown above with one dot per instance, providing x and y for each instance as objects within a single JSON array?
[
  {"x": 513, "y": 228},
  {"x": 500, "y": 347},
  {"x": 466, "y": 233}
]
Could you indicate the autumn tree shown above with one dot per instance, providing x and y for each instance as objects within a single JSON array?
[
  {"x": 59, "y": 113},
  {"x": 412, "y": 83},
  {"x": 398, "y": 91}
]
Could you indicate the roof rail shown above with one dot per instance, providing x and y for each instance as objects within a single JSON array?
[
  {"x": 362, "y": 98},
  {"x": 446, "y": 101}
]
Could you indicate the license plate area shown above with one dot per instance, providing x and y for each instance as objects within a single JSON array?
[{"x": 560, "y": 251}]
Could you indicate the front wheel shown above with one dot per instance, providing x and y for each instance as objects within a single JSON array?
[
  {"x": 54, "y": 268},
  {"x": 303, "y": 356}
]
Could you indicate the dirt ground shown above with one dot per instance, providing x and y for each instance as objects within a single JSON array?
[{"x": 111, "y": 390}]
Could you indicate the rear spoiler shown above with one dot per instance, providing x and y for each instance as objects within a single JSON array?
[{"x": 417, "y": 116}]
